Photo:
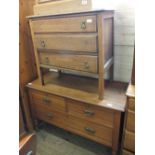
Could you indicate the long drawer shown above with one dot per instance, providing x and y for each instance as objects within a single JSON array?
[
  {"x": 130, "y": 125},
  {"x": 67, "y": 24},
  {"x": 91, "y": 113},
  {"x": 51, "y": 117},
  {"x": 76, "y": 62},
  {"x": 67, "y": 42},
  {"x": 129, "y": 141},
  {"x": 92, "y": 131},
  {"x": 45, "y": 101}
]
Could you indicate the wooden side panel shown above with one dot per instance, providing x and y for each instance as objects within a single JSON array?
[
  {"x": 108, "y": 33},
  {"x": 26, "y": 58}
]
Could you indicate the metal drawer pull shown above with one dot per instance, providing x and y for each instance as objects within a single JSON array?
[
  {"x": 30, "y": 153},
  {"x": 89, "y": 113},
  {"x": 43, "y": 43},
  {"x": 90, "y": 130},
  {"x": 46, "y": 100},
  {"x": 83, "y": 25},
  {"x": 50, "y": 116},
  {"x": 46, "y": 60},
  {"x": 86, "y": 65}
]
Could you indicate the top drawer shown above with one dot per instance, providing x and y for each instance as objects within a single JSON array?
[{"x": 71, "y": 24}]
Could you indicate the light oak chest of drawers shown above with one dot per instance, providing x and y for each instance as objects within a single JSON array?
[
  {"x": 76, "y": 108},
  {"x": 81, "y": 43}
]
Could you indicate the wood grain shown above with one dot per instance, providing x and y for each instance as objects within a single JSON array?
[
  {"x": 91, "y": 113},
  {"x": 68, "y": 24},
  {"x": 76, "y": 62},
  {"x": 129, "y": 141},
  {"x": 63, "y": 42}
]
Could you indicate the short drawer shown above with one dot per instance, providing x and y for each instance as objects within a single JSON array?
[
  {"x": 46, "y": 101},
  {"x": 129, "y": 141},
  {"x": 92, "y": 131},
  {"x": 67, "y": 24},
  {"x": 67, "y": 42},
  {"x": 91, "y": 113},
  {"x": 130, "y": 125},
  {"x": 51, "y": 117},
  {"x": 131, "y": 104},
  {"x": 66, "y": 61},
  {"x": 125, "y": 152}
]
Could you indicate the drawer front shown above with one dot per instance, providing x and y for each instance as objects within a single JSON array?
[
  {"x": 131, "y": 104},
  {"x": 74, "y": 62},
  {"x": 46, "y": 101},
  {"x": 67, "y": 24},
  {"x": 90, "y": 130},
  {"x": 130, "y": 125},
  {"x": 129, "y": 141},
  {"x": 90, "y": 113},
  {"x": 78, "y": 42},
  {"x": 51, "y": 117},
  {"x": 125, "y": 152}
]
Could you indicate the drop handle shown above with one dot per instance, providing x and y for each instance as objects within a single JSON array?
[
  {"x": 50, "y": 116},
  {"x": 83, "y": 25},
  {"x": 90, "y": 130},
  {"x": 46, "y": 60},
  {"x": 88, "y": 113},
  {"x": 43, "y": 43},
  {"x": 46, "y": 100},
  {"x": 86, "y": 65}
]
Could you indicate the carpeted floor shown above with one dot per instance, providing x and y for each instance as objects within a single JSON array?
[{"x": 55, "y": 141}]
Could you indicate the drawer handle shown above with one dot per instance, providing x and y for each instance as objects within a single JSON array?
[
  {"x": 46, "y": 60},
  {"x": 43, "y": 43},
  {"x": 46, "y": 100},
  {"x": 86, "y": 65},
  {"x": 89, "y": 113},
  {"x": 83, "y": 25},
  {"x": 90, "y": 130},
  {"x": 50, "y": 116}
]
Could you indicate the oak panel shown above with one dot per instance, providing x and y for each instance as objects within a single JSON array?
[
  {"x": 91, "y": 113},
  {"x": 43, "y": 100},
  {"x": 63, "y": 42},
  {"x": 68, "y": 24}
]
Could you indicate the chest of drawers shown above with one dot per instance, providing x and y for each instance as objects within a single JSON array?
[
  {"x": 79, "y": 111},
  {"x": 74, "y": 42},
  {"x": 128, "y": 144}
]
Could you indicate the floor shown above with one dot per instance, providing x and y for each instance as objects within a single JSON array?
[{"x": 55, "y": 141}]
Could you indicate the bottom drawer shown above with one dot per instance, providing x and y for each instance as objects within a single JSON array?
[
  {"x": 92, "y": 131},
  {"x": 129, "y": 141},
  {"x": 125, "y": 152},
  {"x": 54, "y": 118}
]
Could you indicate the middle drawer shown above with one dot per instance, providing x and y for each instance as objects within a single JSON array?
[
  {"x": 67, "y": 42},
  {"x": 67, "y": 61}
]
